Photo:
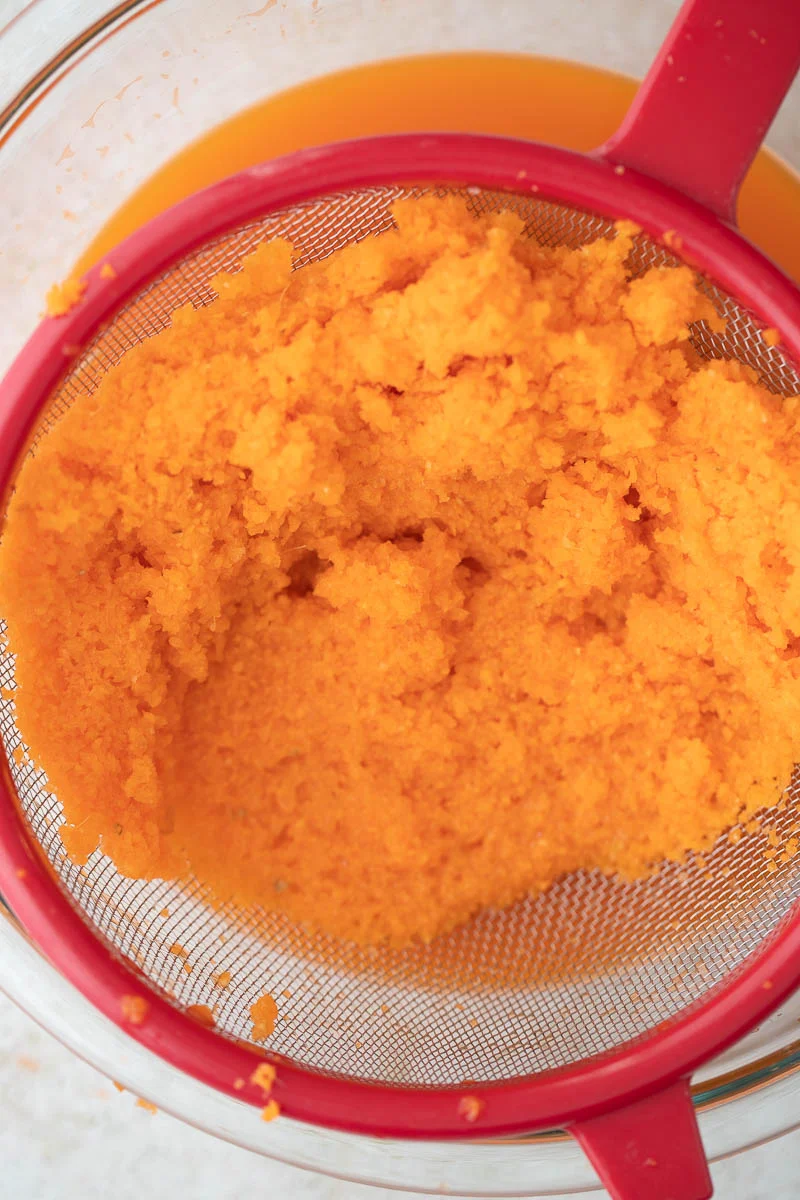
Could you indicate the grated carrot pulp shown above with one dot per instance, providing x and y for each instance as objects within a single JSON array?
[{"x": 400, "y": 585}]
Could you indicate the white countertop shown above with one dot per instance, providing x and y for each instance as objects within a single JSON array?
[{"x": 67, "y": 1134}]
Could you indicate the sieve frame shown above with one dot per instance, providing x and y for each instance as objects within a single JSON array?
[{"x": 657, "y": 1062}]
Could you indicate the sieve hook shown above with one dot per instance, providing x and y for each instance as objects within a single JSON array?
[
  {"x": 649, "y": 1150},
  {"x": 709, "y": 98}
]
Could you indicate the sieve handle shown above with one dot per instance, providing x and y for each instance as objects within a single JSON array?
[
  {"x": 649, "y": 1150},
  {"x": 709, "y": 98}
]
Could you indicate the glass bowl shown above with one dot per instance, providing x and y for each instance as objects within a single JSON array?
[
  {"x": 92, "y": 101},
  {"x": 748, "y": 1096}
]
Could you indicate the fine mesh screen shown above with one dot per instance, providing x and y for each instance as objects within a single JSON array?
[{"x": 573, "y": 973}]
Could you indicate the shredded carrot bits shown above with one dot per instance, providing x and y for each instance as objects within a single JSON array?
[
  {"x": 63, "y": 296},
  {"x": 264, "y": 1014},
  {"x": 147, "y": 1106},
  {"x": 470, "y": 1108},
  {"x": 222, "y": 980},
  {"x": 264, "y": 1076},
  {"x": 202, "y": 1014},
  {"x": 134, "y": 1009},
  {"x": 270, "y": 1111},
  {"x": 441, "y": 568}
]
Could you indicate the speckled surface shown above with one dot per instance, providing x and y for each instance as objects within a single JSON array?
[{"x": 65, "y": 1132}]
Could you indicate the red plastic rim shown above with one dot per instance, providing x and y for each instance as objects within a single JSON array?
[{"x": 553, "y": 1098}]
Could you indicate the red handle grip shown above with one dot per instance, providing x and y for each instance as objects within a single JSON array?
[
  {"x": 649, "y": 1150},
  {"x": 709, "y": 98}
]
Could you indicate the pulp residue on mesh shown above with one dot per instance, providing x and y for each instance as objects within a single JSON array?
[
  {"x": 263, "y": 1014},
  {"x": 396, "y": 587}
]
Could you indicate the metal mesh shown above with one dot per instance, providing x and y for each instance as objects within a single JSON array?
[{"x": 573, "y": 973}]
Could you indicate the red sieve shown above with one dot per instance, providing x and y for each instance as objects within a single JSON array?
[{"x": 620, "y": 990}]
